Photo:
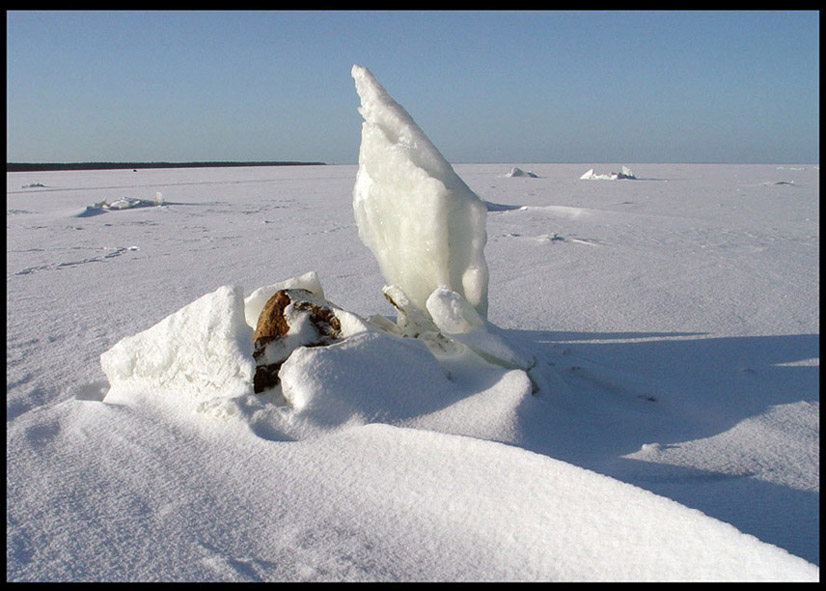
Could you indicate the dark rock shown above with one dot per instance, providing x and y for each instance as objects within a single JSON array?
[{"x": 291, "y": 318}]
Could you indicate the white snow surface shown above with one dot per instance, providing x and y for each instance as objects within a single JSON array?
[{"x": 667, "y": 429}]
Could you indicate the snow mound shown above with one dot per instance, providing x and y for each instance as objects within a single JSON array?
[
  {"x": 592, "y": 528},
  {"x": 199, "y": 360},
  {"x": 369, "y": 378},
  {"x": 503, "y": 207}
]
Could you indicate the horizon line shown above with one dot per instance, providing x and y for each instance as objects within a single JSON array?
[{"x": 113, "y": 165}]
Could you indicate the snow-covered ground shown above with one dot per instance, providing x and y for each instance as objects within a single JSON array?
[{"x": 674, "y": 434}]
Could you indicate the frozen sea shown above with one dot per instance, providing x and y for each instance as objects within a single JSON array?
[{"x": 672, "y": 434}]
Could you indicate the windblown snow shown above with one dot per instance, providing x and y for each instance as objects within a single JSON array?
[{"x": 632, "y": 395}]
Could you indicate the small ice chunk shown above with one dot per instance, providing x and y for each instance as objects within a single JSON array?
[
  {"x": 412, "y": 321},
  {"x": 457, "y": 319},
  {"x": 626, "y": 173}
]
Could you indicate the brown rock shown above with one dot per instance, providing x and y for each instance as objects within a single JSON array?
[{"x": 290, "y": 319}]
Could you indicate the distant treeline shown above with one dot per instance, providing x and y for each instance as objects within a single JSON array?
[{"x": 38, "y": 166}]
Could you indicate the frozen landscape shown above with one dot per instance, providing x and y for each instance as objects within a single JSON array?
[{"x": 622, "y": 387}]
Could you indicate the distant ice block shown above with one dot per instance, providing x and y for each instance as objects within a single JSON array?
[
  {"x": 423, "y": 224},
  {"x": 591, "y": 176},
  {"x": 516, "y": 171},
  {"x": 626, "y": 173},
  {"x": 119, "y": 204}
]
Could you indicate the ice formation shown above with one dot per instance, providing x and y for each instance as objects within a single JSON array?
[
  {"x": 426, "y": 229},
  {"x": 202, "y": 350},
  {"x": 515, "y": 171},
  {"x": 119, "y": 204},
  {"x": 625, "y": 173},
  {"x": 456, "y": 319},
  {"x": 424, "y": 225}
]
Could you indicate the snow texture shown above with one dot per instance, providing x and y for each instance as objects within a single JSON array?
[{"x": 674, "y": 434}]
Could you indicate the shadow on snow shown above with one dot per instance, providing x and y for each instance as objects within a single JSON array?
[{"x": 601, "y": 400}]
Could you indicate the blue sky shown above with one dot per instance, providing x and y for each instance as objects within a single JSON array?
[{"x": 485, "y": 86}]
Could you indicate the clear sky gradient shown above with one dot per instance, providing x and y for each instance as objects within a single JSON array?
[{"x": 487, "y": 86}]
